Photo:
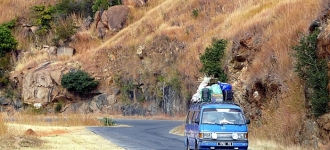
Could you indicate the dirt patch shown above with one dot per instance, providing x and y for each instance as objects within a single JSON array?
[{"x": 30, "y": 132}]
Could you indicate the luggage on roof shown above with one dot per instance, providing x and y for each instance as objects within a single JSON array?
[
  {"x": 206, "y": 94},
  {"x": 216, "y": 95},
  {"x": 227, "y": 91}
]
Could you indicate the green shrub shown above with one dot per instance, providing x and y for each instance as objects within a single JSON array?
[
  {"x": 66, "y": 7},
  {"x": 42, "y": 16},
  {"x": 195, "y": 13},
  {"x": 7, "y": 44},
  {"x": 104, "y": 4},
  {"x": 64, "y": 30},
  {"x": 79, "y": 82},
  {"x": 85, "y": 8},
  {"x": 7, "y": 41},
  {"x": 108, "y": 121},
  {"x": 10, "y": 25},
  {"x": 4, "y": 69},
  {"x": 175, "y": 83},
  {"x": 58, "y": 107},
  {"x": 313, "y": 71},
  {"x": 211, "y": 59}
]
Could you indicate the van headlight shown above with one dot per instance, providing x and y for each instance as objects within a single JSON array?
[
  {"x": 205, "y": 135},
  {"x": 236, "y": 136}
]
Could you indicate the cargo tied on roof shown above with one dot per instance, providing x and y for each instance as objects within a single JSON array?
[{"x": 212, "y": 90}]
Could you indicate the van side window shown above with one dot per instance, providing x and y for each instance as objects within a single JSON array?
[
  {"x": 197, "y": 115},
  {"x": 189, "y": 117}
]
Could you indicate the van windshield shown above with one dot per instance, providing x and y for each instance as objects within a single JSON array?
[{"x": 222, "y": 116}]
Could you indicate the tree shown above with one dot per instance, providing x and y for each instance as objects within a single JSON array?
[
  {"x": 79, "y": 82},
  {"x": 211, "y": 59},
  {"x": 7, "y": 41},
  {"x": 7, "y": 44}
]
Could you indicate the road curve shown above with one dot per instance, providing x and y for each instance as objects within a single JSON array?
[{"x": 142, "y": 134}]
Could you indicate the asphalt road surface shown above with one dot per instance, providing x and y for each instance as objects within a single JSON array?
[{"x": 143, "y": 134}]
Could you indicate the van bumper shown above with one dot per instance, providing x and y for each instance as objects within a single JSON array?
[{"x": 209, "y": 145}]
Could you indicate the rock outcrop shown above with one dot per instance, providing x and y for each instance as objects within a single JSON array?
[
  {"x": 112, "y": 19},
  {"x": 42, "y": 84}
]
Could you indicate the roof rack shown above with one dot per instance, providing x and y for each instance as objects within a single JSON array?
[{"x": 210, "y": 102}]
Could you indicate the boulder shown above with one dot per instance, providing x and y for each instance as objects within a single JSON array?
[
  {"x": 66, "y": 51},
  {"x": 324, "y": 125},
  {"x": 41, "y": 84},
  {"x": 113, "y": 19}
]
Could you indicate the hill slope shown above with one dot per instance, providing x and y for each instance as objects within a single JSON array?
[{"x": 173, "y": 33}]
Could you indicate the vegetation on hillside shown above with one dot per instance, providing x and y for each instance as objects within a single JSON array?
[
  {"x": 212, "y": 59},
  {"x": 104, "y": 4},
  {"x": 79, "y": 82},
  {"x": 8, "y": 43},
  {"x": 313, "y": 70}
]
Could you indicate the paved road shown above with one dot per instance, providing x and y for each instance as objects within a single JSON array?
[{"x": 143, "y": 135}]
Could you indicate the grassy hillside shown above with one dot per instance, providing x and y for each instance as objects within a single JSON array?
[{"x": 269, "y": 27}]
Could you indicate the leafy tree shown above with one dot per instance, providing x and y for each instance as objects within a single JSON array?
[
  {"x": 7, "y": 44},
  {"x": 79, "y": 82},
  {"x": 313, "y": 70},
  {"x": 211, "y": 59},
  {"x": 7, "y": 41}
]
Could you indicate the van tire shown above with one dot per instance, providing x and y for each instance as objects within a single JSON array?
[
  {"x": 188, "y": 148},
  {"x": 196, "y": 146}
]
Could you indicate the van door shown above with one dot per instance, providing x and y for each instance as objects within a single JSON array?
[
  {"x": 195, "y": 127},
  {"x": 189, "y": 126}
]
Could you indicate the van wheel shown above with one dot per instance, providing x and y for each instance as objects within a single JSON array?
[
  {"x": 187, "y": 145},
  {"x": 196, "y": 146}
]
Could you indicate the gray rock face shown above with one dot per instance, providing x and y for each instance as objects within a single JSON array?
[
  {"x": 324, "y": 125},
  {"x": 41, "y": 84},
  {"x": 308, "y": 135},
  {"x": 66, "y": 51}
]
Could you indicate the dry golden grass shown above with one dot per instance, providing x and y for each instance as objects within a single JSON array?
[
  {"x": 56, "y": 120},
  {"x": 53, "y": 137},
  {"x": 258, "y": 144},
  {"x": 283, "y": 120},
  {"x": 14, "y": 8},
  {"x": 31, "y": 60},
  {"x": 3, "y": 126}
]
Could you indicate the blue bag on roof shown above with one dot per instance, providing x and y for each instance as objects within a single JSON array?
[
  {"x": 225, "y": 86},
  {"x": 226, "y": 91}
]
